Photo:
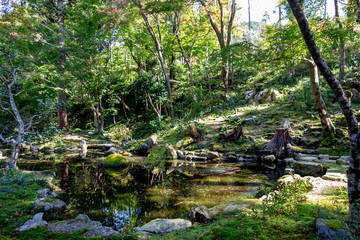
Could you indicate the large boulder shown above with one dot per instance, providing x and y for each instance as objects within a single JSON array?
[
  {"x": 82, "y": 222},
  {"x": 115, "y": 161},
  {"x": 162, "y": 225},
  {"x": 52, "y": 208},
  {"x": 309, "y": 169},
  {"x": 200, "y": 214},
  {"x": 35, "y": 222},
  {"x": 267, "y": 95},
  {"x": 332, "y": 230}
]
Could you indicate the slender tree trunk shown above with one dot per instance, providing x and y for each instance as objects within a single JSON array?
[
  {"x": 62, "y": 98},
  {"x": 249, "y": 27},
  {"x": 325, "y": 5},
  {"x": 21, "y": 126},
  {"x": 328, "y": 128},
  {"x": 353, "y": 128},
  {"x": 223, "y": 38},
  {"x": 160, "y": 54},
  {"x": 176, "y": 31},
  {"x": 358, "y": 5},
  {"x": 342, "y": 46}
]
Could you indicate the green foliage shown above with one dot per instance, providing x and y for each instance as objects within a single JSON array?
[
  {"x": 285, "y": 198},
  {"x": 119, "y": 132}
]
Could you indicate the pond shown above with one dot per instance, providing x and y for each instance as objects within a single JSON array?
[{"x": 132, "y": 196}]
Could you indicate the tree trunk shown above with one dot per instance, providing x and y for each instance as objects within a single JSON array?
[
  {"x": 249, "y": 27},
  {"x": 342, "y": 46},
  {"x": 354, "y": 134},
  {"x": 280, "y": 142},
  {"x": 328, "y": 128},
  {"x": 62, "y": 109},
  {"x": 160, "y": 54},
  {"x": 358, "y": 5},
  {"x": 224, "y": 39}
]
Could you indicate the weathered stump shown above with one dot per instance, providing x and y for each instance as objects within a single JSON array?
[
  {"x": 236, "y": 134},
  {"x": 280, "y": 142}
]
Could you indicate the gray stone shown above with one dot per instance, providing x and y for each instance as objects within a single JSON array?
[
  {"x": 200, "y": 214},
  {"x": 269, "y": 159},
  {"x": 82, "y": 145},
  {"x": 180, "y": 154},
  {"x": 332, "y": 176},
  {"x": 162, "y": 225},
  {"x": 290, "y": 161},
  {"x": 47, "y": 193},
  {"x": 249, "y": 94},
  {"x": 250, "y": 121},
  {"x": 112, "y": 150},
  {"x": 345, "y": 158},
  {"x": 234, "y": 208},
  {"x": 81, "y": 222},
  {"x": 267, "y": 95},
  {"x": 52, "y": 208},
  {"x": 308, "y": 159},
  {"x": 324, "y": 157},
  {"x": 212, "y": 155},
  {"x": 309, "y": 169},
  {"x": 285, "y": 124},
  {"x": 289, "y": 171},
  {"x": 33, "y": 223},
  {"x": 326, "y": 231}
]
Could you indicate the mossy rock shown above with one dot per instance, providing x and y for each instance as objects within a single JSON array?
[{"x": 115, "y": 160}]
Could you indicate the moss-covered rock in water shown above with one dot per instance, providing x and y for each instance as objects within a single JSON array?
[{"x": 115, "y": 160}]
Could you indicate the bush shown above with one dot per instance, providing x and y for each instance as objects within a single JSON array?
[
  {"x": 119, "y": 132},
  {"x": 286, "y": 198}
]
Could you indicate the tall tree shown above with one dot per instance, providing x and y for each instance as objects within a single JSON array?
[
  {"x": 159, "y": 49},
  {"x": 354, "y": 133},
  {"x": 62, "y": 99},
  {"x": 223, "y": 37}
]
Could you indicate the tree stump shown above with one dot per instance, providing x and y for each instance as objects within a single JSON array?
[
  {"x": 236, "y": 134},
  {"x": 280, "y": 142}
]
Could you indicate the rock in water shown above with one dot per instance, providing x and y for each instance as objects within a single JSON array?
[
  {"x": 162, "y": 225},
  {"x": 52, "y": 209},
  {"x": 33, "y": 223},
  {"x": 200, "y": 214}
]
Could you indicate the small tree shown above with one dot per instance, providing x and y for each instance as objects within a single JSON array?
[{"x": 11, "y": 79}]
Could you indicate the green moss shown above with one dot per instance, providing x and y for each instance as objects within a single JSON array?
[
  {"x": 115, "y": 159},
  {"x": 335, "y": 224}
]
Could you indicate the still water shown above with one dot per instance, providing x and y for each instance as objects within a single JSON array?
[{"x": 126, "y": 197}]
